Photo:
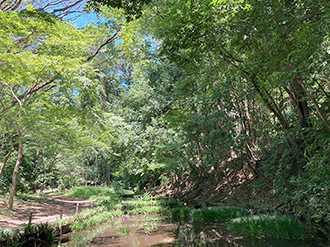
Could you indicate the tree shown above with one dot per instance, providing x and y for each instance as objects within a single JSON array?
[{"x": 40, "y": 56}]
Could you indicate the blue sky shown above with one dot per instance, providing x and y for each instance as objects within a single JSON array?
[{"x": 84, "y": 19}]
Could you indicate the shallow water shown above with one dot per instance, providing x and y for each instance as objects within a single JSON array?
[{"x": 143, "y": 231}]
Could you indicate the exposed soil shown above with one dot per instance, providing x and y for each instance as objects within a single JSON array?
[
  {"x": 43, "y": 210},
  {"x": 234, "y": 189}
]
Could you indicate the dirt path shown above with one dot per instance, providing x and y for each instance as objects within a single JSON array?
[{"x": 42, "y": 211}]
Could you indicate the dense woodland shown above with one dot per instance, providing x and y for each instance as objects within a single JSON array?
[{"x": 168, "y": 95}]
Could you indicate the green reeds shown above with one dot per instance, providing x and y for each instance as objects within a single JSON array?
[
  {"x": 88, "y": 192},
  {"x": 95, "y": 219},
  {"x": 125, "y": 230},
  {"x": 216, "y": 214},
  {"x": 146, "y": 210},
  {"x": 277, "y": 226},
  {"x": 180, "y": 214},
  {"x": 206, "y": 215}
]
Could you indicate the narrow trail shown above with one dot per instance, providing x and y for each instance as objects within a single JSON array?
[{"x": 42, "y": 211}]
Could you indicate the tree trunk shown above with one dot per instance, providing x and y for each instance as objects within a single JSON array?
[
  {"x": 299, "y": 95},
  {"x": 108, "y": 176},
  {"x": 6, "y": 159},
  {"x": 14, "y": 178},
  {"x": 318, "y": 109}
]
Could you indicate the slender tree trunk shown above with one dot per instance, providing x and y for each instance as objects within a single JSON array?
[
  {"x": 318, "y": 109},
  {"x": 14, "y": 178},
  {"x": 108, "y": 176},
  {"x": 299, "y": 95},
  {"x": 6, "y": 159}
]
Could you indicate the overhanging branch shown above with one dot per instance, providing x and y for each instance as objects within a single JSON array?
[{"x": 108, "y": 41}]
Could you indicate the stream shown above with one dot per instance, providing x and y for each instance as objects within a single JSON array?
[{"x": 143, "y": 231}]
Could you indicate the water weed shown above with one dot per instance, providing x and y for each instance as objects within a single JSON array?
[
  {"x": 216, "y": 214},
  {"x": 277, "y": 226},
  {"x": 125, "y": 230},
  {"x": 180, "y": 214},
  {"x": 95, "y": 219}
]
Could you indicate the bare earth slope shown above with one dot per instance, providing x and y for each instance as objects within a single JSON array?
[{"x": 42, "y": 210}]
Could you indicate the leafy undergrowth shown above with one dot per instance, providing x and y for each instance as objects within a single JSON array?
[{"x": 36, "y": 235}]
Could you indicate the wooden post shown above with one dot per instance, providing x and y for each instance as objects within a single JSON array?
[
  {"x": 30, "y": 218},
  {"x": 77, "y": 207},
  {"x": 60, "y": 235}
]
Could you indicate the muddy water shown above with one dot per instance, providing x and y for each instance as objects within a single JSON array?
[{"x": 142, "y": 231}]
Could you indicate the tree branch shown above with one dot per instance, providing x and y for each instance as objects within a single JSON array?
[
  {"x": 23, "y": 97},
  {"x": 108, "y": 41}
]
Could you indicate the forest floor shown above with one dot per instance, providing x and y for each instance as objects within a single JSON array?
[{"x": 45, "y": 208}]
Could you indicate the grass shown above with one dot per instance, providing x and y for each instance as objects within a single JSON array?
[
  {"x": 125, "y": 230},
  {"x": 180, "y": 214},
  {"x": 147, "y": 210},
  {"x": 88, "y": 192},
  {"x": 216, "y": 214},
  {"x": 277, "y": 226},
  {"x": 206, "y": 215},
  {"x": 95, "y": 219},
  {"x": 140, "y": 203}
]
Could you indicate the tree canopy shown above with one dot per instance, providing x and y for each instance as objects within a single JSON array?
[{"x": 169, "y": 95}]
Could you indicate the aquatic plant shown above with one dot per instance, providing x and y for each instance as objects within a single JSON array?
[
  {"x": 216, "y": 214},
  {"x": 277, "y": 226},
  {"x": 125, "y": 230},
  {"x": 180, "y": 214},
  {"x": 95, "y": 219}
]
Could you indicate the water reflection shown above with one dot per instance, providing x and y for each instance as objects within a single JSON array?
[
  {"x": 142, "y": 234},
  {"x": 215, "y": 236}
]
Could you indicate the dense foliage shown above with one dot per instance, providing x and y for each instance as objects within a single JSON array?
[{"x": 190, "y": 91}]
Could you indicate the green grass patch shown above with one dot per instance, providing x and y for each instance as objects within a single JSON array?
[
  {"x": 206, "y": 215},
  {"x": 180, "y": 214},
  {"x": 216, "y": 214},
  {"x": 277, "y": 226},
  {"x": 147, "y": 210},
  {"x": 95, "y": 219},
  {"x": 140, "y": 203},
  {"x": 87, "y": 192},
  {"x": 125, "y": 230}
]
